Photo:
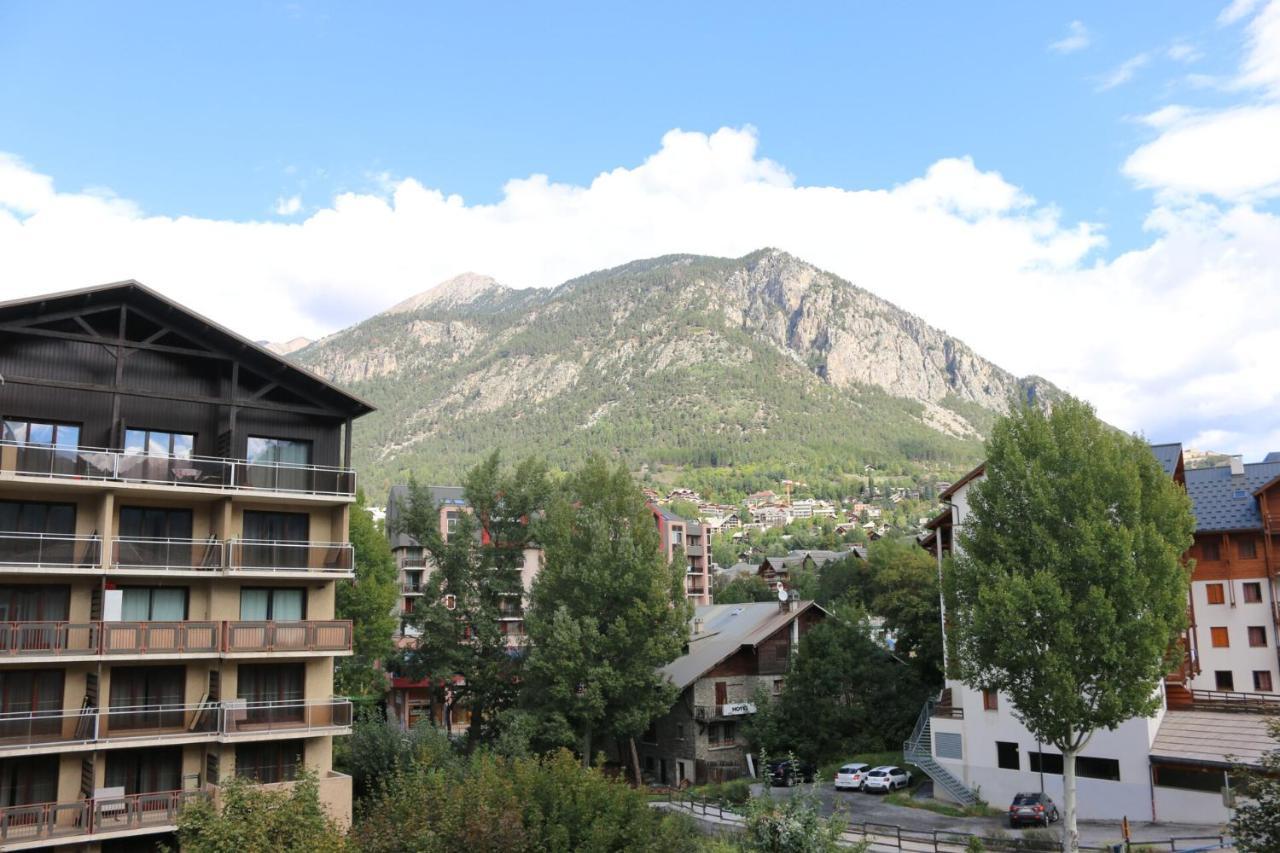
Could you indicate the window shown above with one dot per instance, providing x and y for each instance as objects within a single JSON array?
[
  {"x": 137, "y": 692},
  {"x": 1252, "y": 592},
  {"x": 1007, "y": 756},
  {"x": 276, "y": 540},
  {"x": 153, "y": 604},
  {"x": 145, "y": 771},
  {"x": 1224, "y": 680},
  {"x": 284, "y": 451},
  {"x": 1209, "y": 550},
  {"x": 1098, "y": 768},
  {"x": 179, "y": 445},
  {"x": 722, "y": 734},
  {"x": 146, "y": 522},
  {"x": 41, "y": 433},
  {"x": 1187, "y": 778},
  {"x": 276, "y": 689},
  {"x": 26, "y": 690},
  {"x": 1213, "y": 592},
  {"x": 650, "y": 734},
  {"x": 777, "y": 686},
  {"x": 272, "y": 604},
  {"x": 35, "y": 517},
  {"x": 273, "y": 761},
  {"x": 948, "y": 745},
  {"x": 1247, "y": 549},
  {"x": 1045, "y": 762},
  {"x": 679, "y": 731},
  {"x": 1257, "y": 635},
  {"x": 26, "y": 781},
  {"x": 990, "y": 700},
  {"x": 677, "y": 536},
  {"x": 1220, "y": 637},
  {"x": 1262, "y": 680},
  {"x": 34, "y": 603},
  {"x": 722, "y": 693}
]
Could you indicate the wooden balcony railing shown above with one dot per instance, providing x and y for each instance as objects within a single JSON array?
[
  {"x": 93, "y": 816},
  {"x": 1226, "y": 700},
  {"x": 313, "y": 635},
  {"x": 95, "y": 463},
  {"x": 60, "y": 639}
]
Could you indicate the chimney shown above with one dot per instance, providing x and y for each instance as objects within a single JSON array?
[
  {"x": 697, "y": 625},
  {"x": 1237, "y": 467}
]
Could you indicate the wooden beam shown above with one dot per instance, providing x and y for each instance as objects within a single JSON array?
[
  {"x": 79, "y": 318},
  {"x": 116, "y": 437},
  {"x": 137, "y": 345},
  {"x": 183, "y": 398}
]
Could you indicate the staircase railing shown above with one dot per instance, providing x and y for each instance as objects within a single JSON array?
[{"x": 918, "y": 750}]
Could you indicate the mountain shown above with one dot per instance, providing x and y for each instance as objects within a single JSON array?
[
  {"x": 733, "y": 371},
  {"x": 287, "y": 347}
]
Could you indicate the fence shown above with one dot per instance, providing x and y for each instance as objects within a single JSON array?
[{"x": 882, "y": 837}]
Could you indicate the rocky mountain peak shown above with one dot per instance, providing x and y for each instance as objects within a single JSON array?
[{"x": 456, "y": 292}]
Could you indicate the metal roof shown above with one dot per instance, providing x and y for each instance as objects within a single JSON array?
[
  {"x": 398, "y": 499},
  {"x": 1212, "y": 737},
  {"x": 725, "y": 629},
  {"x": 1224, "y": 502},
  {"x": 1167, "y": 455}
]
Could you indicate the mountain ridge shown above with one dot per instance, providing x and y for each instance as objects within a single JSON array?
[{"x": 681, "y": 361}]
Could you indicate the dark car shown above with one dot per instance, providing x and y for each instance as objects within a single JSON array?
[
  {"x": 790, "y": 771},
  {"x": 1032, "y": 808}
]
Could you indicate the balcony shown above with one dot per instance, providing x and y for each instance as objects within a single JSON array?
[
  {"x": 61, "y": 641},
  {"x": 270, "y": 559},
  {"x": 1224, "y": 700},
  {"x": 36, "y": 732},
  {"x": 332, "y": 635},
  {"x": 178, "y": 556},
  {"x": 411, "y": 589},
  {"x": 27, "y": 826},
  {"x": 48, "y": 552},
  {"x": 209, "y": 472}
]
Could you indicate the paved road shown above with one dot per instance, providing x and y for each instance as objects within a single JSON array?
[{"x": 857, "y": 807}]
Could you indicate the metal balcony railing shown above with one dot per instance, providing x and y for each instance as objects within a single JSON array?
[
  {"x": 165, "y": 554},
  {"x": 133, "y": 638},
  {"x": 411, "y": 588},
  {"x": 38, "y": 639},
  {"x": 263, "y": 555},
  {"x": 314, "y": 635},
  {"x": 94, "y": 463},
  {"x": 24, "y": 730},
  {"x": 92, "y": 816},
  {"x": 51, "y": 551}
]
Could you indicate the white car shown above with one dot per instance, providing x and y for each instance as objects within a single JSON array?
[
  {"x": 850, "y": 776},
  {"x": 886, "y": 778}
]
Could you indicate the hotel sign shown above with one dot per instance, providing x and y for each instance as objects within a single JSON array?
[{"x": 737, "y": 709}]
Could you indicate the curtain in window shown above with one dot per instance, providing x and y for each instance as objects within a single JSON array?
[
  {"x": 168, "y": 605},
  {"x": 255, "y": 604},
  {"x": 26, "y": 781},
  {"x": 137, "y": 605},
  {"x": 287, "y": 605}
]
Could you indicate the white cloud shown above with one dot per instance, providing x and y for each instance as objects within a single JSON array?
[
  {"x": 1235, "y": 11},
  {"x": 1181, "y": 51},
  {"x": 1077, "y": 38},
  {"x": 1123, "y": 72},
  {"x": 1261, "y": 67},
  {"x": 1169, "y": 339},
  {"x": 288, "y": 206}
]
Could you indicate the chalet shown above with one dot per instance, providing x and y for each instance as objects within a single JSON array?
[{"x": 733, "y": 651}]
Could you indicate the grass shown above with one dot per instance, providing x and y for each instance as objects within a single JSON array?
[
  {"x": 734, "y": 792},
  {"x": 904, "y": 798}
]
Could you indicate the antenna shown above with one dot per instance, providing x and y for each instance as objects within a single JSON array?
[{"x": 782, "y": 594}]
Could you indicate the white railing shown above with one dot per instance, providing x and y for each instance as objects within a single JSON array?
[
  {"x": 264, "y": 555},
  {"x": 21, "y": 731},
  {"x": 166, "y": 554},
  {"x": 95, "y": 463},
  {"x": 49, "y": 551}
]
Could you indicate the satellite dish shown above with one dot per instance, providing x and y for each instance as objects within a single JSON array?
[{"x": 782, "y": 594}]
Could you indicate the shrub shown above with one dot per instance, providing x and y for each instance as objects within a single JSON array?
[{"x": 257, "y": 820}]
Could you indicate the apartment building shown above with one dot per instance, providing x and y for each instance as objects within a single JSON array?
[
  {"x": 173, "y": 521},
  {"x": 694, "y": 539},
  {"x": 1214, "y": 708},
  {"x": 411, "y": 701},
  {"x": 733, "y": 651}
]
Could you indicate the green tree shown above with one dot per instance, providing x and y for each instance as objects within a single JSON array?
[
  {"x": 724, "y": 552},
  {"x": 794, "y": 825},
  {"x": 742, "y": 589},
  {"x": 1256, "y": 823},
  {"x": 844, "y": 694},
  {"x": 848, "y": 579},
  {"x": 253, "y": 819},
  {"x": 606, "y": 610},
  {"x": 907, "y": 596},
  {"x": 368, "y": 601},
  {"x": 1070, "y": 590},
  {"x": 477, "y": 569}
]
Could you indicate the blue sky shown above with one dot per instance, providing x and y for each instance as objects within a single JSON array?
[
  {"x": 1082, "y": 191},
  {"x": 217, "y": 110}
]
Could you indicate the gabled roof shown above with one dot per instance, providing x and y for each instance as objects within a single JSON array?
[
  {"x": 398, "y": 500},
  {"x": 726, "y": 628},
  {"x": 963, "y": 481},
  {"x": 213, "y": 336},
  {"x": 1168, "y": 455},
  {"x": 1222, "y": 502}
]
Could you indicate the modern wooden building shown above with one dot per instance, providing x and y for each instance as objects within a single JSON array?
[{"x": 173, "y": 522}]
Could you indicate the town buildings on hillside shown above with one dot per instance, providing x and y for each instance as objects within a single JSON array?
[
  {"x": 1173, "y": 765},
  {"x": 174, "y": 503},
  {"x": 733, "y": 650}
]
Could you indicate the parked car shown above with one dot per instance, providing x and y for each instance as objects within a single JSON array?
[
  {"x": 1032, "y": 808},
  {"x": 850, "y": 776},
  {"x": 788, "y": 772},
  {"x": 886, "y": 778}
]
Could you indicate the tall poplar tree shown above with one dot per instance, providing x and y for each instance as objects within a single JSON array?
[
  {"x": 1071, "y": 590},
  {"x": 607, "y": 610}
]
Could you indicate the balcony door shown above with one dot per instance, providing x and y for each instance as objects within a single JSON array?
[
  {"x": 153, "y": 604},
  {"x": 272, "y": 761},
  {"x": 272, "y": 604},
  {"x": 158, "y": 456},
  {"x": 30, "y": 703},
  {"x": 280, "y": 684},
  {"x": 44, "y": 447},
  {"x": 26, "y": 781},
  {"x": 156, "y": 536},
  {"x": 39, "y": 608},
  {"x": 147, "y": 697},
  {"x": 144, "y": 771},
  {"x": 279, "y": 463},
  {"x": 276, "y": 540},
  {"x": 34, "y": 532}
]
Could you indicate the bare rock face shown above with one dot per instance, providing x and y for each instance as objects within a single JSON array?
[{"x": 664, "y": 356}]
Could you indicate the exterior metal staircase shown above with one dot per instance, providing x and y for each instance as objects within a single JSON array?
[{"x": 918, "y": 750}]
